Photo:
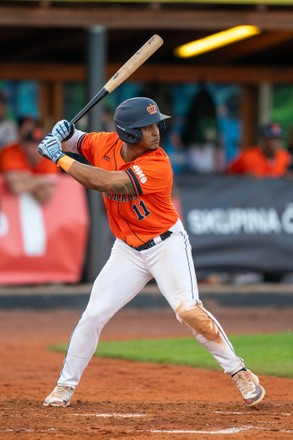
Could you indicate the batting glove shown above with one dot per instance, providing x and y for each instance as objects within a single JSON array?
[
  {"x": 63, "y": 130},
  {"x": 50, "y": 147}
]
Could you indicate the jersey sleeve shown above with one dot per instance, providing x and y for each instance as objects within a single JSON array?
[
  {"x": 151, "y": 175},
  {"x": 93, "y": 146}
]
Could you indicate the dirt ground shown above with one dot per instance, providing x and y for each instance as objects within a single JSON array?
[{"x": 128, "y": 400}]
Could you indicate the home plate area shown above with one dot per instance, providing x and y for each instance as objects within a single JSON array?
[
  {"x": 183, "y": 421},
  {"x": 151, "y": 420},
  {"x": 193, "y": 420}
]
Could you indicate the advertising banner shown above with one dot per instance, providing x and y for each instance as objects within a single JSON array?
[
  {"x": 43, "y": 244},
  {"x": 237, "y": 223}
]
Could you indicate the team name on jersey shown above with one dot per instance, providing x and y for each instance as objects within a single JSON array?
[{"x": 120, "y": 197}]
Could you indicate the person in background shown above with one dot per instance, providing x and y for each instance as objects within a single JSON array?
[
  {"x": 26, "y": 124},
  {"x": 8, "y": 128},
  {"x": 24, "y": 170},
  {"x": 269, "y": 159},
  {"x": 290, "y": 148},
  {"x": 201, "y": 136}
]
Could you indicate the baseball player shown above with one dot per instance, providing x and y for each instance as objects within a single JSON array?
[{"x": 135, "y": 176}]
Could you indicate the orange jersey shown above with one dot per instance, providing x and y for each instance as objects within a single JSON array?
[
  {"x": 253, "y": 161},
  {"x": 12, "y": 158},
  {"x": 134, "y": 218}
]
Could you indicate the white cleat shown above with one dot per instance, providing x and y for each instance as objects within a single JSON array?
[
  {"x": 60, "y": 396},
  {"x": 249, "y": 386}
]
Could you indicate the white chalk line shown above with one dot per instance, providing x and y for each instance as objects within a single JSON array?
[
  {"x": 242, "y": 413},
  {"x": 184, "y": 431},
  {"x": 123, "y": 416},
  {"x": 220, "y": 431},
  {"x": 234, "y": 430}
]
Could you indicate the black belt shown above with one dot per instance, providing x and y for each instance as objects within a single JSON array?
[{"x": 151, "y": 242}]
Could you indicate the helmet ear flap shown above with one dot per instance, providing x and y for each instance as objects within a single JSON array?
[
  {"x": 129, "y": 135},
  {"x": 134, "y": 135}
]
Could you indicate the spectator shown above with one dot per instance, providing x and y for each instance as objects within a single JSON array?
[
  {"x": 26, "y": 124},
  {"x": 290, "y": 148},
  {"x": 201, "y": 135},
  {"x": 8, "y": 129},
  {"x": 268, "y": 159},
  {"x": 25, "y": 171}
]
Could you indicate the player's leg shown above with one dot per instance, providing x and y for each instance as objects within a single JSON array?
[
  {"x": 172, "y": 266},
  {"x": 121, "y": 279}
]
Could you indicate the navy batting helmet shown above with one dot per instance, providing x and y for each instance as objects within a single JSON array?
[{"x": 135, "y": 113}]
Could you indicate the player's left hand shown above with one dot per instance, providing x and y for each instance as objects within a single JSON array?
[
  {"x": 50, "y": 147},
  {"x": 63, "y": 130}
]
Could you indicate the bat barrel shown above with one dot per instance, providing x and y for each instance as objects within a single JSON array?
[{"x": 123, "y": 73}]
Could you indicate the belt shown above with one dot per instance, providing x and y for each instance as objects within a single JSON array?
[{"x": 153, "y": 241}]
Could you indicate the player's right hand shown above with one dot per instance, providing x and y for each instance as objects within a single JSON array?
[
  {"x": 50, "y": 147},
  {"x": 63, "y": 130}
]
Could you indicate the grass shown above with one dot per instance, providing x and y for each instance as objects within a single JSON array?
[{"x": 270, "y": 353}]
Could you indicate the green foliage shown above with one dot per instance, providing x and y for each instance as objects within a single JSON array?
[
  {"x": 270, "y": 353},
  {"x": 283, "y": 107}
]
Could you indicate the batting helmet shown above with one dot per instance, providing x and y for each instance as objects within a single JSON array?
[{"x": 135, "y": 113}]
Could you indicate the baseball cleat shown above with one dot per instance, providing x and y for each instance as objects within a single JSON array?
[
  {"x": 249, "y": 386},
  {"x": 60, "y": 396}
]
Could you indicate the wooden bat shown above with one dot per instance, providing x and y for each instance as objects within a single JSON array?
[{"x": 123, "y": 73}]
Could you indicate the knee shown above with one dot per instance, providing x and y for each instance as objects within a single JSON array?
[
  {"x": 198, "y": 319},
  {"x": 95, "y": 318}
]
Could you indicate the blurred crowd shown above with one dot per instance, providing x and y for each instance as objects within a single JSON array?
[
  {"x": 198, "y": 149},
  {"x": 22, "y": 168}
]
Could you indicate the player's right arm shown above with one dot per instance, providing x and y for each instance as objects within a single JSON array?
[
  {"x": 90, "y": 177},
  {"x": 98, "y": 179}
]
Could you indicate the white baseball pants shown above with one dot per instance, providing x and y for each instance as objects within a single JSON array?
[{"x": 124, "y": 275}]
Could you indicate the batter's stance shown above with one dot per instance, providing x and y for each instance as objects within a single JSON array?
[{"x": 135, "y": 176}]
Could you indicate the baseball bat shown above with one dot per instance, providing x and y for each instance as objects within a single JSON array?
[{"x": 122, "y": 74}]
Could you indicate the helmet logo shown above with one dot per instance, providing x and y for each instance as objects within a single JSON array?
[{"x": 152, "y": 109}]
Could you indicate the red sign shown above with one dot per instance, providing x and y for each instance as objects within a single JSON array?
[{"x": 43, "y": 244}]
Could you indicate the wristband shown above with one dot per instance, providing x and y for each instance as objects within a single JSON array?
[{"x": 65, "y": 162}]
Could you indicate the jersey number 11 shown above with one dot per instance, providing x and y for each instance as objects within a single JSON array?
[{"x": 141, "y": 210}]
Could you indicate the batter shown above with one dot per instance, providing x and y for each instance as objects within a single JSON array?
[{"x": 135, "y": 176}]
